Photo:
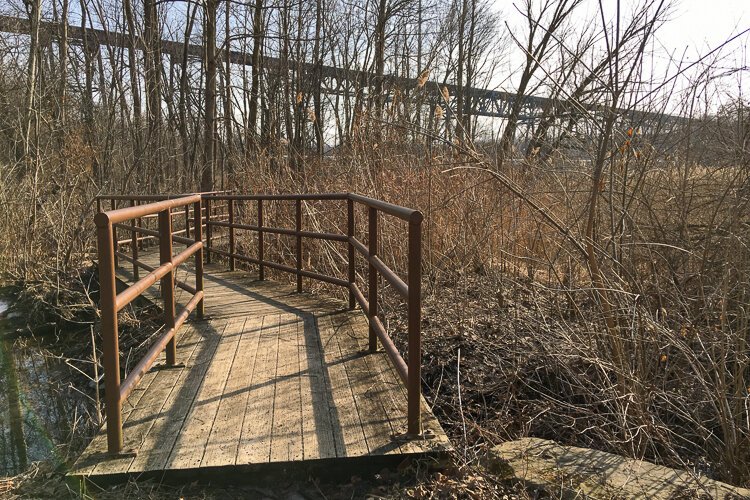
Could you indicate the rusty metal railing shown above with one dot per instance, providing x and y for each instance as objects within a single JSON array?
[
  {"x": 111, "y": 302},
  {"x": 410, "y": 291},
  {"x": 140, "y": 233},
  {"x": 218, "y": 210}
]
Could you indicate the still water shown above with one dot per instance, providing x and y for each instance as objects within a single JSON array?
[{"x": 39, "y": 407}]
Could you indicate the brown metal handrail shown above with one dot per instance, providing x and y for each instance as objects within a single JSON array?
[
  {"x": 217, "y": 210},
  {"x": 111, "y": 302},
  {"x": 410, "y": 372},
  {"x": 134, "y": 241}
]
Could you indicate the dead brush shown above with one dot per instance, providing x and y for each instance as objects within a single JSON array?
[{"x": 512, "y": 292}]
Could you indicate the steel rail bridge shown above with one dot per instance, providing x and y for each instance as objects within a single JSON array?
[{"x": 347, "y": 82}]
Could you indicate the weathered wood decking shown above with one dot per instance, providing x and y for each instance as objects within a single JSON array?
[{"x": 271, "y": 377}]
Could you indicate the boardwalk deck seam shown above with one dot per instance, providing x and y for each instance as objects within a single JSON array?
[
  {"x": 183, "y": 373},
  {"x": 214, "y": 347}
]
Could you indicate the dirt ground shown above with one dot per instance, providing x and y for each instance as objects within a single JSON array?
[{"x": 411, "y": 481}]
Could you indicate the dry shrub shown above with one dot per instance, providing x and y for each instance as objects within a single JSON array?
[{"x": 669, "y": 383}]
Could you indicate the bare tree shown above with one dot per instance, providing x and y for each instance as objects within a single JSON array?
[
  {"x": 543, "y": 25},
  {"x": 209, "y": 147}
]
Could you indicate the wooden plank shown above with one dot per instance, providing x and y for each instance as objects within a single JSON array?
[
  {"x": 141, "y": 419},
  {"x": 318, "y": 439},
  {"x": 97, "y": 449},
  {"x": 344, "y": 414},
  {"x": 286, "y": 432},
  {"x": 88, "y": 461},
  {"x": 396, "y": 393},
  {"x": 366, "y": 386},
  {"x": 255, "y": 439},
  {"x": 392, "y": 394},
  {"x": 159, "y": 442},
  {"x": 225, "y": 434},
  {"x": 280, "y": 379},
  {"x": 190, "y": 446}
]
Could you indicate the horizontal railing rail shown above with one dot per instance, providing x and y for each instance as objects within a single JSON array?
[
  {"x": 111, "y": 302},
  {"x": 409, "y": 290},
  {"x": 136, "y": 242},
  {"x": 153, "y": 197}
]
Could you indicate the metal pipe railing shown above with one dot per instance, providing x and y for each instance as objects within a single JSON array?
[
  {"x": 110, "y": 302},
  {"x": 220, "y": 210},
  {"x": 410, "y": 290},
  {"x": 372, "y": 274}
]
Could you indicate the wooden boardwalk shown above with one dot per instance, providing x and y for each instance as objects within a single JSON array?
[{"x": 271, "y": 377}]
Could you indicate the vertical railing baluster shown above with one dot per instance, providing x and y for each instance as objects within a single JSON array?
[
  {"x": 230, "y": 207},
  {"x": 134, "y": 245},
  {"x": 350, "y": 249},
  {"x": 208, "y": 230},
  {"x": 167, "y": 282},
  {"x": 261, "y": 267},
  {"x": 187, "y": 222},
  {"x": 298, "y": 226},
  {"x": 414, "y": 389},
  {"x": 110, "y": 348},
  {"x": 372, "y": 275},
  {"x": 113, "y": 206},
  {"x": 198, "y": 233},
  {"x": 140, "y": 224}
]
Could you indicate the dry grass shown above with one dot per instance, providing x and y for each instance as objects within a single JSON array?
[{"x": 514, "y": 296}]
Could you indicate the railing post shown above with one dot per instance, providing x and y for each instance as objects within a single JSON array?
[
  {"x": 110, "y": 348},
  {"x": 261, "y": 273},
  {"x": 208, "y": 230},
  {"x": 298, "y": 226},
  {"x": 414, "y": 384},
  {"x": 198, "y": 233},
  {"x": 134, "y": 246},
  {"x": 167, "y": 282},
  {"x": 140, "y": 224},
  {"x": 187, "y": 221},
  {"x": 350, "y": 249},
  {"x": 230, "y": 208},
  {"x": 372, "y": 275},
  {"x": 113, "y": 206}
]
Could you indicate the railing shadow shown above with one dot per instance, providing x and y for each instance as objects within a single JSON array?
[{"x": 326, "y": 419}]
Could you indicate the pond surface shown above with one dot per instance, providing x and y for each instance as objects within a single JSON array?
[{"x": 40, "y": 410}]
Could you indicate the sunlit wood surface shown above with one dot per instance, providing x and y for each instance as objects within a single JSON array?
[{"x": 272, "y": 376}]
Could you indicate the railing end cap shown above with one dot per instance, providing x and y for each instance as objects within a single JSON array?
[
  {"x": 101, "y": 219},
  {"x": 416, "y": 217}
]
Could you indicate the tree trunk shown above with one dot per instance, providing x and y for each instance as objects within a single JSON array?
[
  {"x": 153, "y": 91},
  {"x": 34, "y": 13},
  {"x": 255, "y": 73},
  {"x": 209, "y": 36},
  {"x": 228, "y": 99},
  {"x": 316, "y": 86},
  {"x": 135, "y": 91},
  {"x": 460, "y": 63}
]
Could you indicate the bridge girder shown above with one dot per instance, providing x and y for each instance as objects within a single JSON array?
[{"x": 347, "y": 82}]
